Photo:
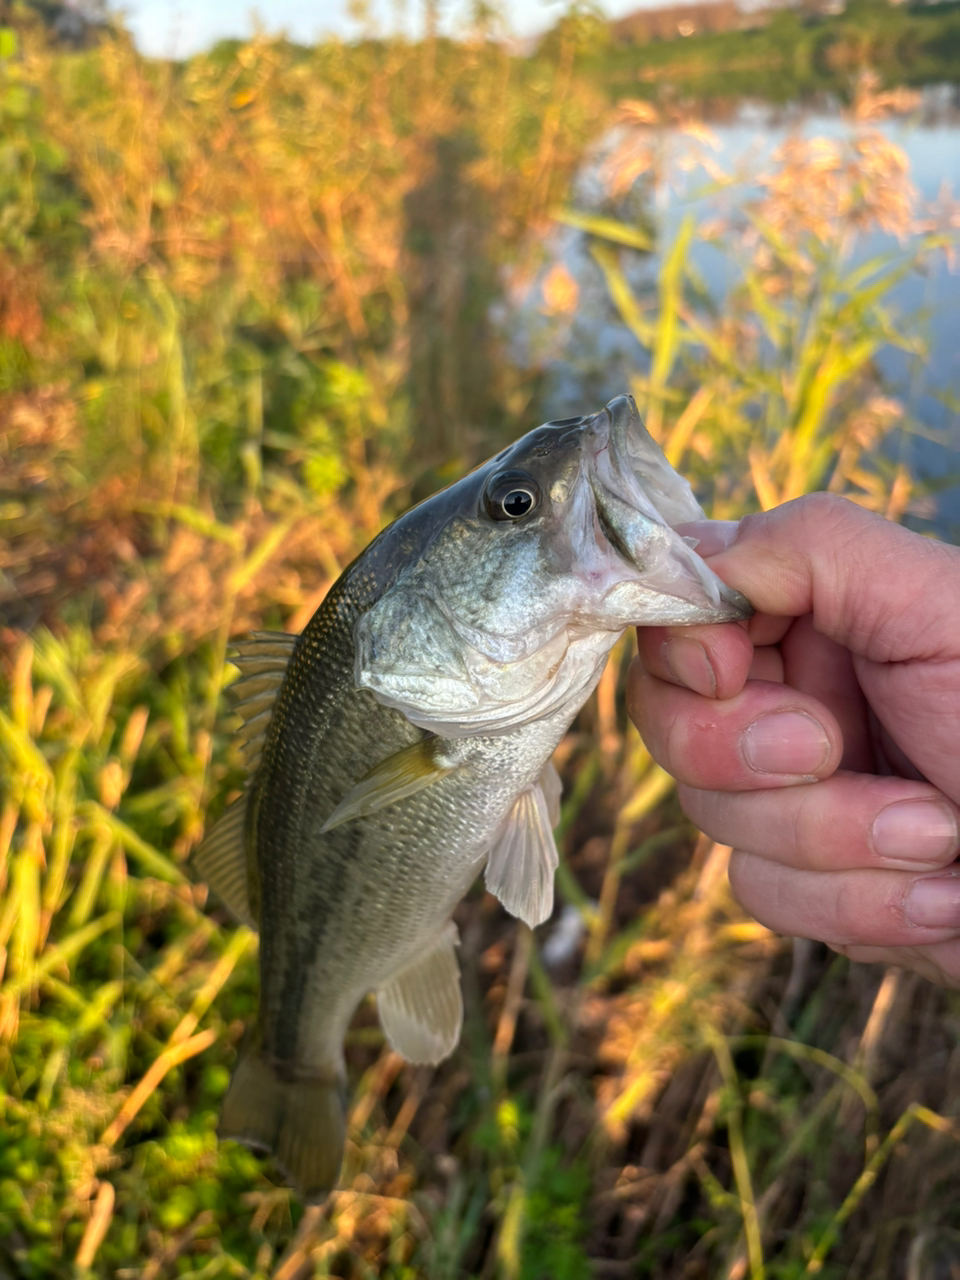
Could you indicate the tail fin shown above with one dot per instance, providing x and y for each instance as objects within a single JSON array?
[{"x": 301, "y": 1122}]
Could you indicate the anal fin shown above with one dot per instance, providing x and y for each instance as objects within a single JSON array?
[
  {"x": 221, "y": 861},
  {"x": 421, "y": 1009},
  {"x": 523, "y": 859}
]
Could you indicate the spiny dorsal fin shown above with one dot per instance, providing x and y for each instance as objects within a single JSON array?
[
  {"x": 261, "y": 658},
  {"x": 265, "y": 646},
  {"x": 221, "y": 859},
  {"x": 421, "y": 1009},
  {"x": 523, "y": 859},
  {"x": 221, "y": 862},
  {"x": 400, "y": 775}
]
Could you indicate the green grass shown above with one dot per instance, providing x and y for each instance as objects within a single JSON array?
[{"x": 219, "y": 365}]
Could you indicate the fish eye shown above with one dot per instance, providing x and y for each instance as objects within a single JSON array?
[{"x": 511, "y": 495}]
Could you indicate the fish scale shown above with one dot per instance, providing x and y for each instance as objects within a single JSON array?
[{"x": 408, "y": 748}]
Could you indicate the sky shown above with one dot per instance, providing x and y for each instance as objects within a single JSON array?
[{"x": 178, "y": 28}]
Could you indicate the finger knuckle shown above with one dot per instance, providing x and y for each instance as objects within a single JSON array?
[
  {"x": 827, "y": 509},
  {"x": 857, "y": 916}
]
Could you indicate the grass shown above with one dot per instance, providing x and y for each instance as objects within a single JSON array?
[{"x": 222, "y": 372}]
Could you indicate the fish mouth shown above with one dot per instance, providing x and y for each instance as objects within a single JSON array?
[{"x": 639, "y": 498}]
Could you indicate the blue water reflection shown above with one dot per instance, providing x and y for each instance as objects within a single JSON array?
[{"x": 592, "y": 355}]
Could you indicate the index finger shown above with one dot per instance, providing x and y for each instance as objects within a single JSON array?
[{"x": 864, "y": 580}]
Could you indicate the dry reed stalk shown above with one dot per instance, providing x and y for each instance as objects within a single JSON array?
[
  {"x": 97, "y": 1225},
  {"x": 173, "y": 1056},
  {"x": 507, "y": 1021}
]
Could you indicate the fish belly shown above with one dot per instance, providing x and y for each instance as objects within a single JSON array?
[{"x": 384, "y": 887}]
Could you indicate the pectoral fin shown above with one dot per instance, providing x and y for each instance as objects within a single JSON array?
[
  {"x": 421, "y": 1009},
  {"x": 523, "y": 859},
  {"x": 221, "y": 861},
  {"x": 400, "y": 775}
]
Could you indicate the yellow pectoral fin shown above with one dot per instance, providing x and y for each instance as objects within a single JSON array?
[{"x": 393, "y": 779}]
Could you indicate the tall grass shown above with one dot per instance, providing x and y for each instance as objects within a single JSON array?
[
  {"x": 775, "y": 390},
  {"x": 219, "y": 342}
]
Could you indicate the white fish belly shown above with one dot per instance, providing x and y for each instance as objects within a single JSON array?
[{"x": 418, "y": 860}]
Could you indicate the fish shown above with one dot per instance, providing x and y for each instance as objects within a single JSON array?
[{"x": 402, "y": 743}]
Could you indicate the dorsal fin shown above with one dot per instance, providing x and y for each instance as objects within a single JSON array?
[
  {"x": 261, "y": 658},
  {"x": 220, "y": 861},
  {"x": 221, "y": 858}
]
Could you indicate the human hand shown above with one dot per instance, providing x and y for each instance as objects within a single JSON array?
[{"x": 822, "y": 738}]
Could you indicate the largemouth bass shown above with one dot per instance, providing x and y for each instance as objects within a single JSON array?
[{"x": 401, "y": 745}]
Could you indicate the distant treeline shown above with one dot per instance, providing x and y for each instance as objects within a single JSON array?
[
  {"x": 789, "y": 53},
  {"x": 709, "y": 49}
]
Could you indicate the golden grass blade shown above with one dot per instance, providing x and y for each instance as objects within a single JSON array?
[
  {"x": 59, "y": 954},
  {"x": 173, "y": 1056},
  {"x": 507, "y": 1022},
  {"x": 242, "y": 942},
  {"x": 9, "y": 816},
  {"x": 679, "y": 435},
  {"x": 95, "y": 866},
  {"x": 607, "y": 229},
  {"x": 152, "y": 861},
  {"x": 62, "y": 837},
  {"x": 21, "y": 686},
  {"x": 97, "y": 1226}
]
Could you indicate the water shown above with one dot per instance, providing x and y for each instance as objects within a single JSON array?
[{"x": 589, "y": 357}]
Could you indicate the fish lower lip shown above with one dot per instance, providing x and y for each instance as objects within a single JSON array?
[{"x": 737, "y": 600}]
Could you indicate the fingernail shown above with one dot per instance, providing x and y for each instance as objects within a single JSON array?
[
  {"x": 689, "y": 665},
  {"x": 713, "y": 536},
  {"x": 934, "y": 902},
  {"x": 786, "y": 742},
  {"x": 915, "y": 831}
]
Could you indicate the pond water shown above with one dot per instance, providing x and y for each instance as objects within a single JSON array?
[{"x": 591, "y": 357}]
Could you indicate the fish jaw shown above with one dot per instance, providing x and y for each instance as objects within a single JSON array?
[
  {"x": 639, "y": 498},
  {"x": 492, "y": 622}
]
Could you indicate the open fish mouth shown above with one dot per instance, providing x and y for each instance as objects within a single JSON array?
[{"x": 640, "y": 499}]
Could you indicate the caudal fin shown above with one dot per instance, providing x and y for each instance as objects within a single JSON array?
[{"x": 300, "y": 1122}]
